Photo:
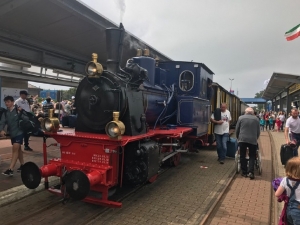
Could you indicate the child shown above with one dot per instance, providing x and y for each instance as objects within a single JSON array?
[
  {"x": 266, "y": 117},
  {"x": 262, "y": 124},
  {"x": 278, "y": 124},
  {"x": 271, "y": 121},
  {"x": 290, "y": 184}
]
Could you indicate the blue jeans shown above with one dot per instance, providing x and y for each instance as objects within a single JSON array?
[
  {"x": 293, "y": 211},
  {"x": 221, "y": 140}
]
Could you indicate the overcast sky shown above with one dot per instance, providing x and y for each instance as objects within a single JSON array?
[{"x": 238, "y": 39}]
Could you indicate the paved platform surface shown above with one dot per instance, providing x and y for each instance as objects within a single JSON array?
[
  {"x": 277, "y": 139},
  {"x": 248, "y": 201},
  {"x": 182, "y": 195},
  {"x": 36, "y": 156}
]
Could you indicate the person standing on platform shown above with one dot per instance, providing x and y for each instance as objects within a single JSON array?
[
  {"x": 282, "y": 119},
  {"x": 68, "y": 108},
  {"x": 292, "y": 126},
  {"x": 73, "y": 105},
  {"x": 221, "y": 130},
  {"x": 58, "y": 110},
  {"x": 48, "y": 105},
  {"x": 11, "y": 118},
  {"x": 278, "y": 124},
  {"x": 247, "y": 132},
  {"x": 262, "y": 124},
  {"x": 266, "y": 120},
  {"x": 291, "y": 184},
  {"x": 24, "y": 104},
  {"x": 271, "y": 123}
]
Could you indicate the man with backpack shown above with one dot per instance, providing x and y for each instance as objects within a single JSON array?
[
  {"x": 24, "y": 104},
  {"x": 11, "y": 118},
  {"x": 221, "y": 130}
]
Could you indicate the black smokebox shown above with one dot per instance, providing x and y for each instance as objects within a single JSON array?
[{"x": 114, "y": 47}]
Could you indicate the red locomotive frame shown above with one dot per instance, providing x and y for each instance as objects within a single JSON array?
[{"x": 97, "y": 156}]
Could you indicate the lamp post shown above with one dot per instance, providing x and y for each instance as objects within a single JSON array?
[{"x": 231, "y": 79}]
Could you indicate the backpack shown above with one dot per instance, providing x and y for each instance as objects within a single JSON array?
[
  {"x": 217, "y": 114},
  {"x": 2, "y": 110},
  {"x": 30, "y": 125}
]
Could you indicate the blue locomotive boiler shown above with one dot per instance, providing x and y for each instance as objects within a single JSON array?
[{"x": 148, "y": 94}]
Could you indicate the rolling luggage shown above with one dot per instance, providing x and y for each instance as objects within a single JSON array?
[
  {"x": 231, "y": 147},
  {"x": 65, "y": 121},
  {"x": 286, "y": 152},
  {"x": 72, "y": 121}
]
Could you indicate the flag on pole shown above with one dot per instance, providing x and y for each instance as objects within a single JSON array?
[{"x": 293, "y": 33}]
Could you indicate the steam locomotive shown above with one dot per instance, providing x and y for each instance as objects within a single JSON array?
[{"x": 130, "y": 122}]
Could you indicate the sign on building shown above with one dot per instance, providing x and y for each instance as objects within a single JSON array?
[{"x": 14, "y": 92}]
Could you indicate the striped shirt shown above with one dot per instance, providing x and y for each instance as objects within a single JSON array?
[{"x": 46, "y": 108}]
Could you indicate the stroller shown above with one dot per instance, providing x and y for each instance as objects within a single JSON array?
[{"x": 257, "y": 163}]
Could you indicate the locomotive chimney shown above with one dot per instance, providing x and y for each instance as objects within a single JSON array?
[{"x": 114, "y": 48}]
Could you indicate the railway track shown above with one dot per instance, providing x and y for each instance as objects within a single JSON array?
[
  {"x": 179, "y": 196},
  {"x": 124, "y": 196},
  {"x": 47, "y": 209}
]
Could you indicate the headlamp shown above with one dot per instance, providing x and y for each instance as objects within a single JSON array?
[
  {"x": 115, "y": 128},
  {"x": 93, "y": 68},
  {"x": 50, "y": 124}
]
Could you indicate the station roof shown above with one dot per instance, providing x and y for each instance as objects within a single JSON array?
[
  {"x": 254, "y": 100},
  {"x": 278, "y": 83},
  {"x": 59, "y": 34}
]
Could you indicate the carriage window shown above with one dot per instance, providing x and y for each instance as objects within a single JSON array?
[
  {"x": 204, "y": 86},
  {"x": 186, "y": 80}
]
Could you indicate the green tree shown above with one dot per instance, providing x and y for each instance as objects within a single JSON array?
[
  {"x": 67, "y": 94},
  {"x": 259, "y": 94}
]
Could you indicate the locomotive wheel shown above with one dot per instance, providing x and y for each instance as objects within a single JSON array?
[
  {"x": 176, "y": 159},
  {"x": 77, "y": 184},
  {"x": 31, "y": 175}
]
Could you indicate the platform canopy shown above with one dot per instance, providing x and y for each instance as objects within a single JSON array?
[
  {"x": 278, "y": 83},
  {"x": 254, "y": 100},
  {"x": 58, "y": 34}
]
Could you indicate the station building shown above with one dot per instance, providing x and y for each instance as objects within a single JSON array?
[
  {"x": 52, "y": 41},
  {"x": 283, "y": 91}
]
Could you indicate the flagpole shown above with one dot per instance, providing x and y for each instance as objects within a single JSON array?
[{"x": 231, "y": 79}]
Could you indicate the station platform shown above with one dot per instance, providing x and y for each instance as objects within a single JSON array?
[
  {"x": 187, "y": 194},
  {"x": 12, "y": 188}
]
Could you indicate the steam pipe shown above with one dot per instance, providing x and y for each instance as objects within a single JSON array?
[{"x": 114, "y": 48}]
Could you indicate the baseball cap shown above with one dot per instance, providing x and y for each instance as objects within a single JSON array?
[
  {"x": 73, "y": 97},
  {"x": 23, "y": 92}
]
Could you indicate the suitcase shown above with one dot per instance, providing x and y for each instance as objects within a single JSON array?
[
  {"x": 286, "y": 152},
  {"x": 217, "y": 114},
  {"x": 65, "y": 121},
  {"x": 231, "y": 147},
  {"x": 72, "y": 121}
]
